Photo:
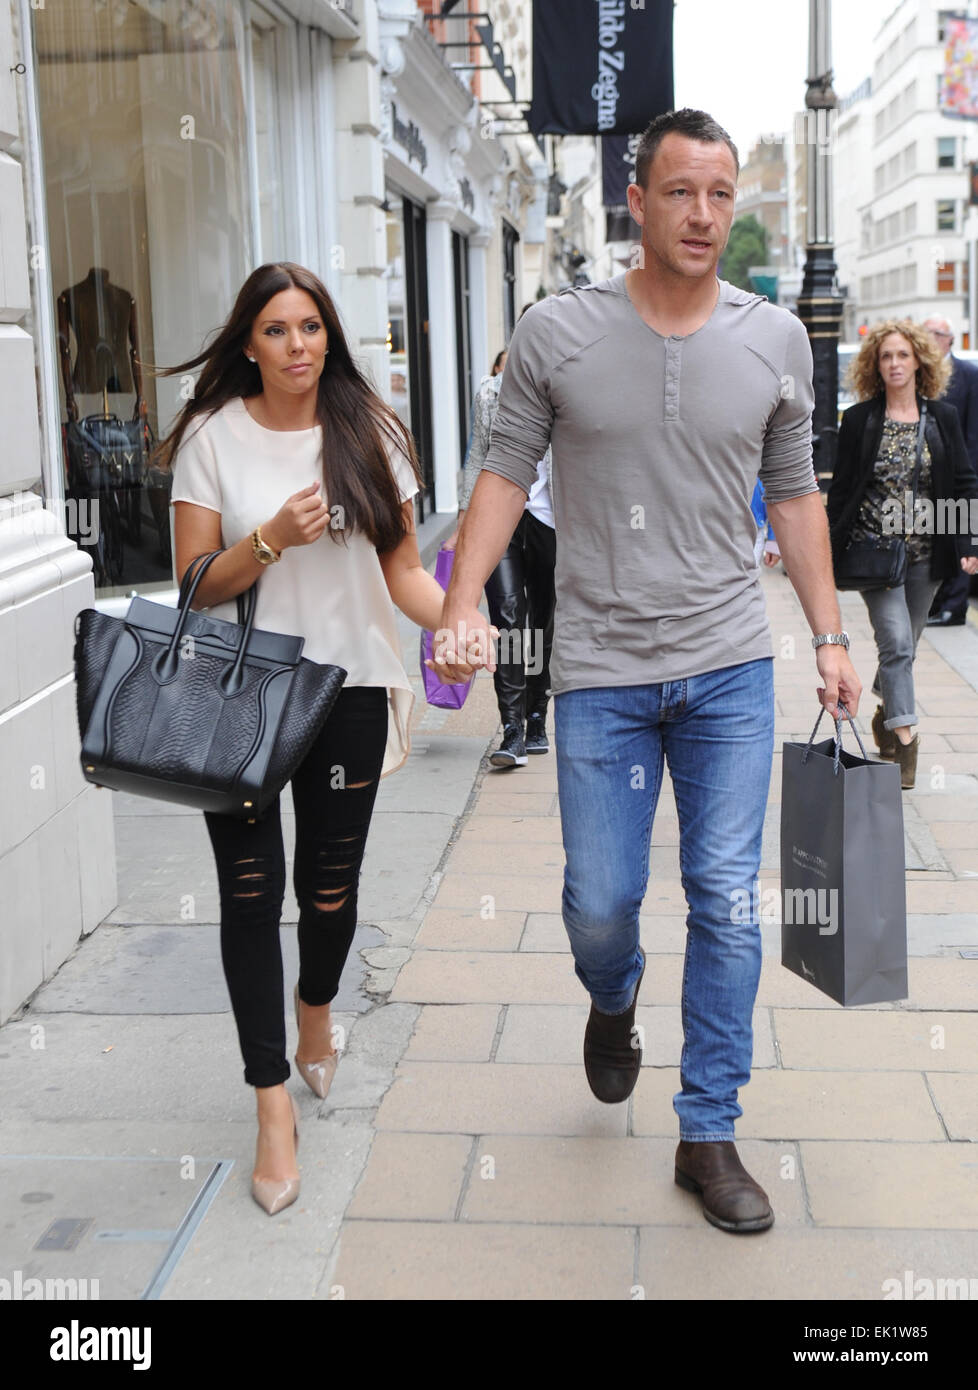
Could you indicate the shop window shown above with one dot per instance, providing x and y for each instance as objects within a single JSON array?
[
  {"x": 407, "y": 334},
  {"x": 143, "y": 149}
]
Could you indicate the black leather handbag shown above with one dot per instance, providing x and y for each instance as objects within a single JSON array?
[
  {"x": 197, "y": 710},
  {"x": 882, "y": 564}
]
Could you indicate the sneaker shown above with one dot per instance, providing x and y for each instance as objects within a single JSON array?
[
  {"x": 536, "y": 734},
  {"x": 512, "y": 751}
]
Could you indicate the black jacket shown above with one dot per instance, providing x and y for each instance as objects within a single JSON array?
[
  {"x": 860, "y": 434},
  {"x": 962, "y": 393}
]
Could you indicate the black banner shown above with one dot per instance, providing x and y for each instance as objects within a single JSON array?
[
  {"x": 617, "y": 172},
  {"x": 600, "y": 67}
]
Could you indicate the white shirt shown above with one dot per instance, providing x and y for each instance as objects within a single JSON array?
[
  {"x": 539, "y": 502},
  {"x": 332, "y": 594}
]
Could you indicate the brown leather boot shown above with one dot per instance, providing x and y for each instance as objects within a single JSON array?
[
  {"x": 886, "y": 739},
  {"x": 906, "y": 756},
  {"x": 732, "y": 1199},
  {"x": 612, "y": 1055}
]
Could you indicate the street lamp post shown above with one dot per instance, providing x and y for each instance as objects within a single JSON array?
[{"x": 820, "y": 304}]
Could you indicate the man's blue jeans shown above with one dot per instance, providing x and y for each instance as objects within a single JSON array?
[{"x": 717, "y": 733}]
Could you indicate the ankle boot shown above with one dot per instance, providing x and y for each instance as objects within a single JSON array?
[
  {"x": 536, "y": 732},
  {"x": 906, "y": 756},
  {"x": 885, "y": 738}
]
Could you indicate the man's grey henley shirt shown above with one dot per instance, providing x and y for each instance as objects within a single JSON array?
[{"x": 657, "y": 444}]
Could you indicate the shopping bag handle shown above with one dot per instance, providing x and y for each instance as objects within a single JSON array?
[{"x": 838, "y": 737}]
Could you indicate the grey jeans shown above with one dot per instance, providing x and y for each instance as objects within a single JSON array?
[{"x": 899, "y": 617}]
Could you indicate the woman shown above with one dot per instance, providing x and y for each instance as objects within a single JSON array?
[
  {"x": 289, "y": 460},
  {"x": 897, "y": 370},
  {"x": 520, "y": 593}
]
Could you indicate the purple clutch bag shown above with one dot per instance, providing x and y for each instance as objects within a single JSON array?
[{"x": 436, "y": 692}]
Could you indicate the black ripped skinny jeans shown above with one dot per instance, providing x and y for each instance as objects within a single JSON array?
[{"x": 333, "y": 791}]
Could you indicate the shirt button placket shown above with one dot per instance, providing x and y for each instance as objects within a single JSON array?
[{"x": 674, "y": 349}]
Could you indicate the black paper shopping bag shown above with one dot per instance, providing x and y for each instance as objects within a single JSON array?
[{"x": 843, "y": 871}]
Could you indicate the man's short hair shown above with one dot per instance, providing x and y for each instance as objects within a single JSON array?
[{"x": 694, "y": 125}]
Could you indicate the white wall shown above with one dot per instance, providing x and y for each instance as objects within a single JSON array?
[{"x": 57, "y": 857}]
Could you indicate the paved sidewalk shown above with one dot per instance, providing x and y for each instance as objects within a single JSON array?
[
  {"x": 460, "y": 1153},
  {"x": 495, "y": 1174}
]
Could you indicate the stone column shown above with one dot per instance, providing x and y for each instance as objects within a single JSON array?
[
  {"x": 442, "y": 351},
  {"x": 361, "y": 253},
  {"x": 480, "y": 347}
]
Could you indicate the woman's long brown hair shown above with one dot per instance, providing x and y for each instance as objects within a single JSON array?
[{"x": 355, "y": 420}]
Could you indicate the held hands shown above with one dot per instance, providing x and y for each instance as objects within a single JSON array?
[
  {"x": 462, "y": 645},
  {"x": 841, "y": 681},
  {"x": 300, "y": 520}
]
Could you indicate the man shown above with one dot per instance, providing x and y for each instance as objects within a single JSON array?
[
  {"x": 950, "y": 606},
  {"x": 663, "y": 391}
]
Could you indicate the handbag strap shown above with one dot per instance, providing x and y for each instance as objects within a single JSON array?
[
  {"x": 838, "y": 738},
  {"x": 918, "y": 456}
]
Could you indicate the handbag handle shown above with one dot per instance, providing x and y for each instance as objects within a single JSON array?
[
  {"x": 166, "y": 665},
  {"x": 246, "y": 597},
  {"x": 838, "y": 738}
]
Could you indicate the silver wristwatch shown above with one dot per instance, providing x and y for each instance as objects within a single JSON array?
[{"x": 831, "y": 639}]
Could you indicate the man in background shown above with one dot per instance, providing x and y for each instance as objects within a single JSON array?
[{"x": 950, "y": 606}]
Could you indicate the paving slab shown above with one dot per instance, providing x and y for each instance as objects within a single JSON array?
[
  {"x": 797, "y": 1265},
  {"x": 606, "y": 1182},
  {"x": 474, "y": 1098},
  {"x": 789, "y": 1105},
  {"x": 412, "y": 1177},
  {"x": 554, "y": 1033},
  {"x": 930, "y": 1186},
  {"x": 166, "y": 866},
  {"x": 107, "y": 1224},
  {"x": 879, "y": 1041},
  {"x": 406, "y": 1260},
  {"x": 454, "y": 1033},
  {"x": 485, "y": 977},
  {"x": 955, "y": 1097},
  {"x": 175, "y": 970}
]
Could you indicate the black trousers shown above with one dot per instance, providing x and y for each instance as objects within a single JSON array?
[
  {"x": 333, "y": 791},
  {"x": 952, "y": 595},
  {"x": 520, "y": 595}
]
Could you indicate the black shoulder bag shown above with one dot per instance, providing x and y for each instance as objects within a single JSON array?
[
  {"x": 187, "y": 708},
  {"x": 881, "y": 564}
]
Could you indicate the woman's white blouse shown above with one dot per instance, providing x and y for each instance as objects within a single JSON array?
[{"x": 332, "y": 594}]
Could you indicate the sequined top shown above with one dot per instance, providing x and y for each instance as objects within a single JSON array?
[{"x": 889, "y": 485}]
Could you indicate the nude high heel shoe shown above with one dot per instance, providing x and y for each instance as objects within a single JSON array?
[
  {"x": 272, "y": 1194},
  {"x": 318, "y": 1076}
]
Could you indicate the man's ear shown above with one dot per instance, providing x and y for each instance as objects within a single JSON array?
[{"x": 636, "y": 203}]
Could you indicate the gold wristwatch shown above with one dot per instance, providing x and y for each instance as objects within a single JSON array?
[{"x": 262, "y": 551}]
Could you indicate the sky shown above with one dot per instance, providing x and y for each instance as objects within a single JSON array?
[{"x": 746, "y": 62}]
